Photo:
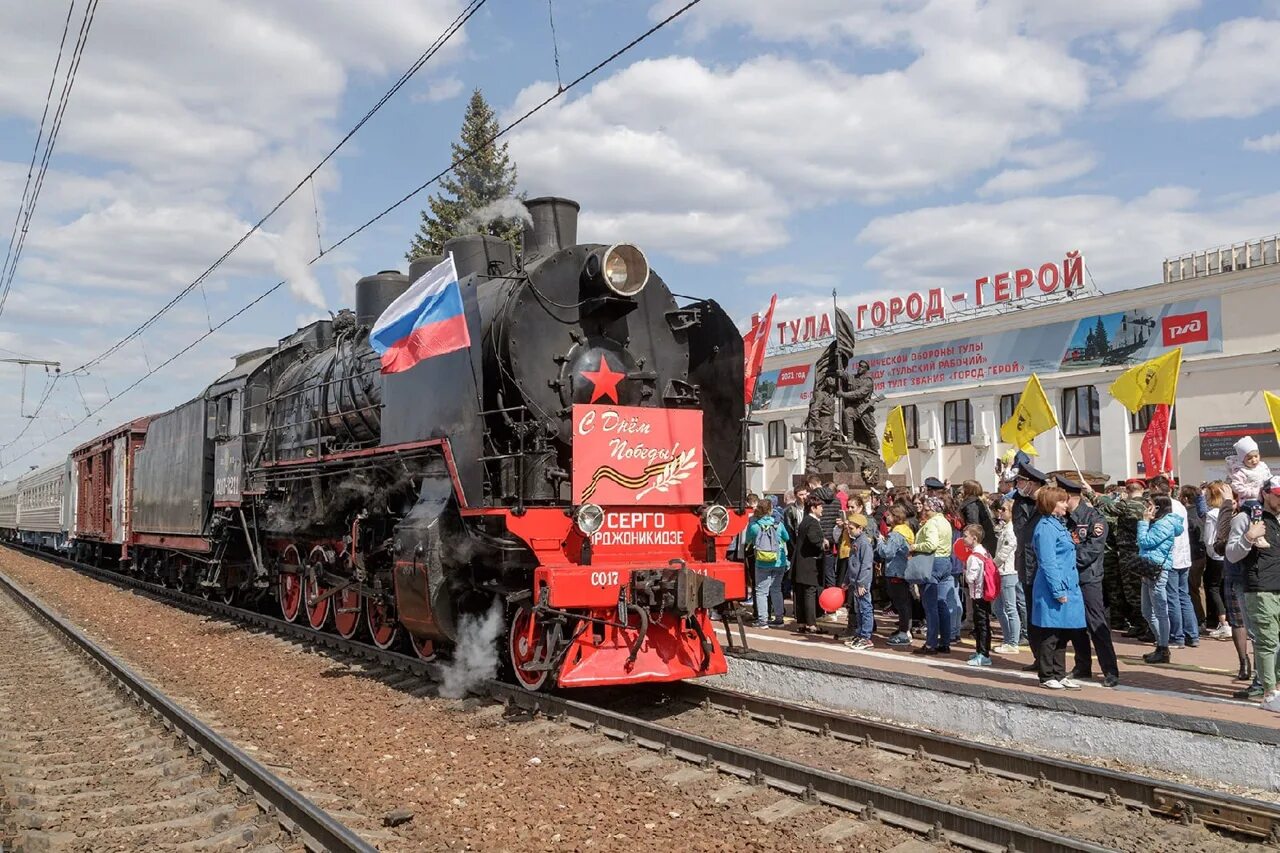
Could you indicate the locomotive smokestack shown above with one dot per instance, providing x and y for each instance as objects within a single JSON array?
[{"x": 554, "y": 225}]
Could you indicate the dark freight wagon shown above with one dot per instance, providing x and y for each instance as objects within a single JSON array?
[{"x": 173, "y": 480}]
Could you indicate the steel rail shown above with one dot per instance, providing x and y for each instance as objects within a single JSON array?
[
  {"x": 962, "y": 827},
  {"x": 1169, "y": 799},
  {"x": 297, "y": 814},
  {"x": 942, "y": 822}
]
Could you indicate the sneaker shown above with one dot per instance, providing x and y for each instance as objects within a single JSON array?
[
  {"x": 1222, "y": 632},
  {"x": 1053, "y": 684},
  {"x": 1177, "y": 644},
  {"x": 944, "y": 650},
  {"x": 1192, "y": 642},
  {"x": 759, "y": 624},
  {"x": 925, "y": 650},
  {"x": 1253, "y": 691},
  {"x": 1271, "y": 702},
  {"x": 899, "y": 640},
  {"x": 979, "y": 660},
  {"x": 1007, "y": 649},
  {"x": 1111, "y": 681},
  {"x": 777, "y": 623},
  {"x": 1071, "y": 684},
  {"x": 859, "y": 644}
]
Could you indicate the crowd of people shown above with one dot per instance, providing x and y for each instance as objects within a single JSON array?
[{"x": 1057, "y": 562}]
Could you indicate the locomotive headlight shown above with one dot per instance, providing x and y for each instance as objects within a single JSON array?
[
  {"x": 715, "y": 519},
  {"x": 625, "y": 269},
  {"x": 589, "y": 518}
]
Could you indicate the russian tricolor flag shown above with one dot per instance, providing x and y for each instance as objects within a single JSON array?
[{"x": 426, "y": 320}]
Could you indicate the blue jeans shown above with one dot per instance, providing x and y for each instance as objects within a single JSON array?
[
  {"x": 946, "y": 627},
  {"x": 768, "y": 592},
  {"x": 1183, "y": 624},
  {"x": 955, "y": 608},
  {"x": 937, "y": 612},
  {"x": 865, "y": 618},
  {"x": 1006, "y": 607},
  {"x": 1155, "y": 606}
]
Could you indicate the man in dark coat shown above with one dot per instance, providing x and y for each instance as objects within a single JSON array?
[
  {"x": 1088, "y": 530},
  {"x": 1025, "y": 516},
  {"x": 831, "y": 514},
  {"x": 806, "y": 569}
]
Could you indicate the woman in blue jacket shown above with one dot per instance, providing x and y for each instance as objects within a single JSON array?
[
  {"x": 1057, "y": 605},
  {"x": 1156, "y": 535}
]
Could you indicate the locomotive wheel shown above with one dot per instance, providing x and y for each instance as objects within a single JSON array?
[
  {"x": 347, "y": 609},
  {"x": 289, "y": 585},
  {"x": 424, "y": 649},
  {"x": 317, "y": 608},
  {"x": 229, "y": 596},
  {"x": 384, "y": 630},
  {"x": 526, "y": 644}
]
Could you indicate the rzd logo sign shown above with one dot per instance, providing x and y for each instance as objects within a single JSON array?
[{"x": 1180, "y": 329}]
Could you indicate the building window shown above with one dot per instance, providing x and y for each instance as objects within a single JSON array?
[
  {"x": 1080, "y": 411},
  {"x": 776, "y": 443},
  {"x": 1141, "y": 419},
  {"x": 910, "y": 418},
  {"x": 957, "y": 422},
  {"x": 1008, "y": 402}
]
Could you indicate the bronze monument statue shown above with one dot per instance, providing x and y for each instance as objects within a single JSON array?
[{"x": 841, "y": 424}]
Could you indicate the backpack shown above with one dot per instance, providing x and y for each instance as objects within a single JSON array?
[
  {"x": 990, "y": 578},
  {"x": 768, "y": 541}
]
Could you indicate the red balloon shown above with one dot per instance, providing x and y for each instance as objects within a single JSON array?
[{"x": 831, "y": 599}]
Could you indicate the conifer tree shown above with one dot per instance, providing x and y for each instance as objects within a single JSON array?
[{"x": 470, "y": 198}]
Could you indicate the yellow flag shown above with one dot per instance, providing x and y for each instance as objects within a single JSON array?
[
  {"x": 893, "y": 445},
  {"x": 1150, "y": 383},
  {"x": 1273, "y": 409},
  {"x": 1032, "y": 416}
]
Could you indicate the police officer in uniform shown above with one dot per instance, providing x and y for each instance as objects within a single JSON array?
[{"x": 1089, "y": 531}]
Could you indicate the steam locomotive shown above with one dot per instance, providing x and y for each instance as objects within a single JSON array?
[{"x": 580, "y": 466}]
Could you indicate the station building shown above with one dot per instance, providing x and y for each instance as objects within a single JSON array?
[{"x": 959, "y": 379}]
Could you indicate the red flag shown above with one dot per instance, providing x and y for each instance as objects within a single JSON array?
[
  {"x": 754, "y": 344},
  {"x": 1157, "y": 455}
]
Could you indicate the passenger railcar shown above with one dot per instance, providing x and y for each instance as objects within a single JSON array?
[{"x": 42, "y": 506}]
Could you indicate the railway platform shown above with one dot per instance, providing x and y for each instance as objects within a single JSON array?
[{"x": 1180, "y": 717}]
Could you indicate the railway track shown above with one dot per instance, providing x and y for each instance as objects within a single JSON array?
[
  {"x": 93, "y": 758},
  {"x": 940, "y": 821}
]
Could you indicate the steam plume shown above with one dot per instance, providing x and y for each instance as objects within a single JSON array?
[{"x": 475, "y": 658}]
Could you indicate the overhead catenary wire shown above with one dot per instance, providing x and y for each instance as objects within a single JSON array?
[
  {"x": 35, "y": 148},
  {"x": 459, "y": 160},
  {"x": 440, "y": 41},
  {"x": 37, "y": 183}
]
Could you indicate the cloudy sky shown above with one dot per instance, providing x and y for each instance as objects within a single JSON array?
[{"x": 751, "y": 147}]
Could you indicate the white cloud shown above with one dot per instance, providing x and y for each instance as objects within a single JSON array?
[
  {"x": 703, "y": 160},
  {"x": 1041, "y": 167},
  {"x": 1267, "y": 144},
  {"x": 791, "y": 274},
  {"x": 889, "y": 22},
  {"x": 439, "y": 90},
  {"x": 1229, "y": 73},
  {"x": 1123, "y": 241}
]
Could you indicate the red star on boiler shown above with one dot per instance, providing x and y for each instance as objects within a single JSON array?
[{"x": 604, "y": 381}]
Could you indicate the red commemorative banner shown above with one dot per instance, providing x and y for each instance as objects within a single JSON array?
[{"x": 633, "y": 456}]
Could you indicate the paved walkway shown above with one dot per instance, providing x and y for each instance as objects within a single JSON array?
[{"x": 1198, "y": 682}]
